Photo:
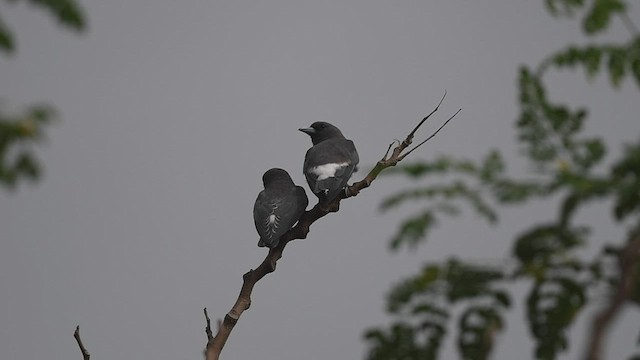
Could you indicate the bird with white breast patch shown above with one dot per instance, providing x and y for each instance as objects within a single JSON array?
[{"x": 331, "y": 160}]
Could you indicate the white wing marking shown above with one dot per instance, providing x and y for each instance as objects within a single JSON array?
[{"x": 271, "y": 225}]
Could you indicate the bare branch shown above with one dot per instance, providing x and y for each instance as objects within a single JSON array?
[
  {"x": 207, "y": 330},
  {"x": 389, "y": 148},
  {"x": 432, "y": 135},
  {"x": 215, "y": 344},
  {"x": 428, "y": 116},
  {"x": 630, "y": 258},
  {"x": 85, "y": 352}
]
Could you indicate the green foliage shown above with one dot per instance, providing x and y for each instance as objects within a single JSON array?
[
  {"x": 67, "y": 12},
  {"x": 478, "y": 326},
  {"x": 597, "y": 15},
  {"x": 453, "y": 281},
  {"x": 627, "y": 182},
  {"x": 18, "y": 134},
  {"x": 619, "y": 60},
  {"x": 565, "y": 7},
  {"x": 568, "y": 170},
  {"x": 550, "y": 133},
  {"x": 545, "y": 243},
  {"x": 420, "y": 303},
  {"x": 552, "y": 306},
  {"x": 404, "y": 341},
  {"x": 445, "y": 198},
  {"x": 7, "y": 44}
]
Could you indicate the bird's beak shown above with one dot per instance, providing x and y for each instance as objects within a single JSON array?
[{"x": 308, "y": 130}]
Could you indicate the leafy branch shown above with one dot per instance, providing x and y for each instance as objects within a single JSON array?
[{"x": 568, "y": 168}]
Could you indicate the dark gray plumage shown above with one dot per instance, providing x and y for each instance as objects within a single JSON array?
[
  {"x": 278, "y": 207},
  {"x": 331, "y": 160}
]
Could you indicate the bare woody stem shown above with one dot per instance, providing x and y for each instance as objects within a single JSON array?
[
  {"x": 629, "y": 264},
  {"x": 300, "y": 231},
  {"x": 85, "y": 352}
]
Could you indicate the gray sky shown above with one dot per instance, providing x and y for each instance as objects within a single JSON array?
[{"x": 173, "y": 110}]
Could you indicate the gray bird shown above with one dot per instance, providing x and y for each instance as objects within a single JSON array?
[
  {"x": 329, "y": 163},
  {"x": 278, "y": 207}
]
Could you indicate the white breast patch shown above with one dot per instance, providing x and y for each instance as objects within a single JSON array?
[{"x": 327, "y": 170}]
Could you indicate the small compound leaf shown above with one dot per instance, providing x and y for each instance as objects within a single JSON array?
[{"x": 7, "y": 43}]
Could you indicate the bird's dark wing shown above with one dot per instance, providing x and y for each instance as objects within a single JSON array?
[
  {"x": 341, "y": 179},
  {"x": 291, "y": 208},
  {"x": 265, "y": 223},
  {"x": 355, "y": 159},
  {"x": 330, "y": 151},
  {"x": 275, "y": 215},
  {"x": 302, "y": 200}
]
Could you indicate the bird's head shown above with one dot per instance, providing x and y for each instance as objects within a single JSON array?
[
  {"x": 276, "y": 175},
  {"x": 321, "y": 130}
]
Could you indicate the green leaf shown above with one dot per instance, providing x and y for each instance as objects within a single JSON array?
[
  {"x": 492, "y": 166},
  {"x": 403, "y": 341},
  {"x": 469, "y": 281},
  {"x": 442, "y": 165},
  {"x": 431, "y": 309},
  {"x": 552, "y": 306},
  {"x": 478, "y": 326},
  {"x": 481, "y": 207},
  {"x": 635, "y": 70},
  {"x": 509, "y": 191},
  {"x": 626, "y": 176},
  {"x": 600, "y": 14},
  {"x": 544, "y": 242},
  {"x": 503, "y": 298},
  {"x": 18, "y": 135},
  {"x": 592, "y": 59},
  {"x": 405, "y": 291},
  {"x": 413, "y": 230},
  {"x": 617, "y": 66},
  {"x": 68, "y": 12},
  {"x": 27, "y": 166},
  {"x": 428, "y": 276},
  {"x": 7, "y": 43},
  {"x": 568, "y": 6}
]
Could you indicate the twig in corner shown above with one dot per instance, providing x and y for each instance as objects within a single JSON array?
[
  {"x": 208, "y": 328},
  {"x": 85, "y": 352}
]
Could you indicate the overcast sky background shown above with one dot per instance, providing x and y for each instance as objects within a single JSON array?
[{"x": 171, "y": 112}]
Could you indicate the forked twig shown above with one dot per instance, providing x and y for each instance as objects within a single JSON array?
[
  {"x": 432, "y": 135},
  {"x": 428, "y": 116},
  {"x": 395, "y": 141}
]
